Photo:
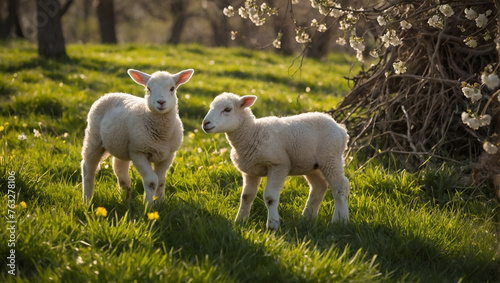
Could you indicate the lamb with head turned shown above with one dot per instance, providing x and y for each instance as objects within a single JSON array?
[
  {"x": 309, "y": 144},
  {"x": 142, "y": 130}
]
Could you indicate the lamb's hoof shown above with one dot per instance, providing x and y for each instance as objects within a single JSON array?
[
  {"x": 241, "y": 218},
  {"x": 309, "y": 215},
  {"x": 340, "y": 220},
  {"x": 273, "y": 224}
]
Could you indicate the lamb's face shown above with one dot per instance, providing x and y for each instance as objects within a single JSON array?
[
  {"x": 161, "y": 93},
  {"x": 161, "y": 88},
  {"x": 226, "y": 112}
]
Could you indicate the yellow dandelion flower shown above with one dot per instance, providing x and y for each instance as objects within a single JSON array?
[
  {"x": 22, "y": 204},
  {"x": 101, "y": 211},
  {"x": 25, "y": 125},
  {"x": 153, "y": 215},
  {"x": 155, "y": 198},
  {"x": 2, "y": 128}
]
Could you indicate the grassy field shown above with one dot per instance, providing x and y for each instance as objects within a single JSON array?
[{"x": 425, "y": 226}]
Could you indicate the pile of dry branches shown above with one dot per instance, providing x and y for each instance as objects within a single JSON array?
[{"x": 418, "y": 113}]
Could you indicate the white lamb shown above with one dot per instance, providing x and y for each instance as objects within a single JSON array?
[
  {"x": 142, "y": 130},
  {"x": 310, "y": 144}
]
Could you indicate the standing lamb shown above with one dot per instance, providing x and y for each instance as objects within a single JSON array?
[
  {"x": 310, "y": 144},
  {"x": 142, "y": 130}
]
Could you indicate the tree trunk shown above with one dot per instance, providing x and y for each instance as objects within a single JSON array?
[
  {"x": 319, "y": 47},
  {"x": 106, "y": 16},
  {"x": 50, "y": 36},
  {"x": 12, "y": 22},
  {"x": 178, "y": 10},
  {"x": 281, "y": 23},
  {"x": 219, "y": 23},
  {"x": 176, "y": 30}
]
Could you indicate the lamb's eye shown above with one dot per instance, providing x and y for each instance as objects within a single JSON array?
[
  {"x": 227, "y": 110},
  {"x": 149, "y": 89},
  {"x": 172, "y": 88}
]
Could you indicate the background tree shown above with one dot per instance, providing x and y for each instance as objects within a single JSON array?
[
  {"x": 218, "y": 23},
  {"x": 50, "y": 36},
  {"x": 11, "y": 26},
  {"x": 106, "y": 16}
]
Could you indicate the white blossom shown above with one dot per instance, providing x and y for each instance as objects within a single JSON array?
[
  {"x": 277, "y": 41},
  {"x": 436, "y": 22},
  {"x": 486, "y": 36},
  {"x": 302, "y": 36},
  {"x": 314, "y": 3},
  {"x": 470, "y": 121},
  {"x": 399, "y": 67},
  {"x": 341, "y": 41},
  {"x": 319, "y": 27},
  {"x": 481, "y": 21},
  {"x": 491, "y": 81},
  {"x": 472, "y": 93},
  {"x": 22, "y": 137},
  {"x": 359, "y": 56},
  {"x": 357, "y": 43},
  {"x": 348, "y": 22},
  {"x": 229, "y": 11},
  {"x": 381, "y": 21},
  {"x": 484, "y": 120},
  {"x": 390, "y": 38},
  {"x": 470, "y": 14},
  {"x": 336, "y": 10},
  {"x": 374, "y": 53},
  {"x": 490, "y": 148},
  {"x": 233, "y": 35},
  {"x": 253, "y": 15},
  {"x": 243, "y": 12},
  {"x": 488, "y": 13},
  {"x": 405, "y": 25},
  {"x": 446, "y": 10},
  {"x": 471, "y": 42}
]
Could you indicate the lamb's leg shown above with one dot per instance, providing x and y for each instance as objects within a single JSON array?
[
  {"x": 161, "y": 171},
  {"x": 90, "y": 162},
  {"x": 122, "y": 172},
  {"x": 317, "y": 190},
  {"x": 149, "y": 178},
  {"x": 275, "y": 180},
  {"x": 334, "y": 173},
  {"x": 250, "y": 189}
]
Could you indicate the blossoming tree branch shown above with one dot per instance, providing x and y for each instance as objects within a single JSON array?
[{"x": 432, "y": 85}]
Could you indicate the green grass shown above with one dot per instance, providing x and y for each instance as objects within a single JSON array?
[{"x": 424, "y": 226}]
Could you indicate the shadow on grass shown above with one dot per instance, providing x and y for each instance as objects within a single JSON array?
[
  {"x": 198, "y": 235},
  {"x": 405, "y": 257}
]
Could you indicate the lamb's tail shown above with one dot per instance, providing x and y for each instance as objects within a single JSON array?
[
  {"x": 345, "y": 136},
  {"x": 345, "y": 140}
]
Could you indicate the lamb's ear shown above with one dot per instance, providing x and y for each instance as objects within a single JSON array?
[
  {"x": 183, "y": 77},
  {"x": 139, "y": 77},
  {"x": 247, "y": 100}
]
